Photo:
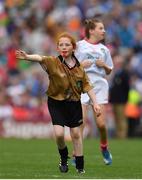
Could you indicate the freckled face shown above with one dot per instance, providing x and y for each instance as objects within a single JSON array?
[{"x": 65, "y": 47}]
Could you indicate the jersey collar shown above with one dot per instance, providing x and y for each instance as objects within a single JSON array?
[
  {"x": 91, "y": 42},
  {"x": 62, "y": 60}
]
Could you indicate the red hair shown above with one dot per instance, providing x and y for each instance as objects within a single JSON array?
[{"x": 67, "y": 35}]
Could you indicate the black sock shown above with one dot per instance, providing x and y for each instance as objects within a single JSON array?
[
  {"x": 63, "y": 153},
  {"x": 79, "y": 162}
]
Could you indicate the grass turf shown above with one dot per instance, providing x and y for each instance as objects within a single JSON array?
[{"x": 38, "y": 159}]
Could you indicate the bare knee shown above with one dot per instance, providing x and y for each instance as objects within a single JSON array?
[
  {"x": 101, "y": 122},
  {"x": 76, "y": 136},
  {"x": 101, "y": 126},
  {"x": 60, "y": 140},
  {"x": 59, "y": 137}
]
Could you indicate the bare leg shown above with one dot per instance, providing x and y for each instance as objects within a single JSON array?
[
  {"x": 77, "y": 141},
  {"x": 85, "y": 111},
  {"x": 59, "y": 135},
  {"x": 101, "y": 124},
  {"x": 85, "y": 115},
  {"x": 62, "y": 148},
  {"x": 78, "y": 148}
]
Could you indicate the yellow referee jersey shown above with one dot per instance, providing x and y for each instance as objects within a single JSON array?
[{"x": 65, "y": 83}]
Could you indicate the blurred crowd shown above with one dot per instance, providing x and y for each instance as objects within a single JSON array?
[{"x": 34, "y": 25}]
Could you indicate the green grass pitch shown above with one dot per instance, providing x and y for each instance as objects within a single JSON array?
[{"x": 38, "y": 159}]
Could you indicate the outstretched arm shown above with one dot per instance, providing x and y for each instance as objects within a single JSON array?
[
  {"x": 24, "y": 56},
  {"x": 96, "y": 107}
]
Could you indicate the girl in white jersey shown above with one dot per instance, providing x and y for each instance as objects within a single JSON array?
[{"x": 96, "y": 59}]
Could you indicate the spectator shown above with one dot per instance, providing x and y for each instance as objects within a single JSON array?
[{"x": 118, "y": 96}]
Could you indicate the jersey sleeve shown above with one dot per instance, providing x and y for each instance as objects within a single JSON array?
[
  {"x": 47, "y": 63},
  {"x": 109, "y": 61},
  {"x": 78, "y": 53}
]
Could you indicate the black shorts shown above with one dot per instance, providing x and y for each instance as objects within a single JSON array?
[{"x": 65, "y": 113}]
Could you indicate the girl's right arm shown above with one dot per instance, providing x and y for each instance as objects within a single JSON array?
[
  {"x": 24, "y": 56},
  {"x": 96, "y": 107}
]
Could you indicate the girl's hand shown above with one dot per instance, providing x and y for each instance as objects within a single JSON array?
[
  {"x": 21, "y": 54},
  {"x": 97, "y": 109},
  {"x": 100, "y": 63},
  {"x": 86, "y": 63}
]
